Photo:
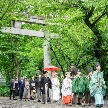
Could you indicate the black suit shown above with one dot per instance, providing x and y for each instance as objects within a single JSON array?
[
  {"x": 38, "y": 83},
  {"x": 38, "y": 88},
  {"x": 45, "y": 80},
  {"x": 11, "y": 89},
  {"x": 21, "y": 85}
]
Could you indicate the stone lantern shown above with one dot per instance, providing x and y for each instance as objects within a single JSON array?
[
  {"x": 38, "y": 73},
  {"x": 72, "y": 70}
]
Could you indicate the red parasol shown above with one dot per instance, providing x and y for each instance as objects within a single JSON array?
[{"x": 51, "y": 68}]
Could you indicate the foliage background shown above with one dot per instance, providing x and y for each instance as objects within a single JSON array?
[{"x": 82, "y": 26}]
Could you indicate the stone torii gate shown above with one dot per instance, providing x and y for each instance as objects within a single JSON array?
[{"x": 16, "y": 29}]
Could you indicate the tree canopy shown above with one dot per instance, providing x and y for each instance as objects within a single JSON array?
[{"x": 82, "y": 26}]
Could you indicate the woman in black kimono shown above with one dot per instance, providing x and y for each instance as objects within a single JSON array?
[{"x": 16, "y": 91}]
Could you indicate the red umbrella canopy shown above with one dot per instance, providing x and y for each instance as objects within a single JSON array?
[{"x": 51, "y": 68}]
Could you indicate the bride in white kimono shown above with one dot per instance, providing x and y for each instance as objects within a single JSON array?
[{"x": 55, "y": 87}]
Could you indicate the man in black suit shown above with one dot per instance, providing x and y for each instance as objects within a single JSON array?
[
  {"x": 11, "y": 88},
  {"x": 45, "y": 86},
  {"x": 38, "y": 87}
]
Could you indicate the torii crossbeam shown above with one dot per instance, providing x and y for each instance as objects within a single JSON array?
[{"x": 16, "y": 29}]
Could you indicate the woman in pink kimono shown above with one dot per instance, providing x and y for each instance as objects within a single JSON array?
[{"x": 27, "y": 90}]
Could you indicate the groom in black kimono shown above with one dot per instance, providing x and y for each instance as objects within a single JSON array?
[{"x": 45, "y": 86}]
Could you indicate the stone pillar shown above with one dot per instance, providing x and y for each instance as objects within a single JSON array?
[
  {"x": 47, "y": 60},
  {"x": 16, "y": 24}
]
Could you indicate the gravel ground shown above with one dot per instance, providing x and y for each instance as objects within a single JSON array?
[{"x": 6, "y": 103}]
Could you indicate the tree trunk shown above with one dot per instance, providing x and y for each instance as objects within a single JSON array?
[
  {"x": 16, "y": 65},
  {"x": 97, "y": 47},
  {"x": 57, "y": 60}
]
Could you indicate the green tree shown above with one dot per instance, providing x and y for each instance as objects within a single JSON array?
[{"x": 82, "y": 29}]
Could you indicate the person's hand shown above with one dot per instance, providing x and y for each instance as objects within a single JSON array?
[
  {"x": 57, "y": 85},
  {"x": 98, "y": 86},
  {"x": 41, "y": 88},
  {"x": 77, "y": 75},
  {"x": 27, "y": 88}
]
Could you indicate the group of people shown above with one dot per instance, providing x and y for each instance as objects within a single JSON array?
[
  {"x": 29, "y": 90},
  {"x": 87, "y": 90},
  {"x": 78, "y": 90},
  {"x": 23, "y": 88}
]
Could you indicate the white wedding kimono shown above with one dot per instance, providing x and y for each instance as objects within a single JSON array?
[
  {"x": 55, "y": 89},
  {"x": 66, "y": 87}
]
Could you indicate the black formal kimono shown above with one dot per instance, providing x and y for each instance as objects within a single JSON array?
[
  {"x": 45, "y": 81},
  {"x": 33, "y": 89},
  {"x": 16, "y": 91}
]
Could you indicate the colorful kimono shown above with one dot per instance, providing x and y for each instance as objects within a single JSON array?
[
  {"x": 16, "y": 92},
  {"x": 67, "y": 91},
  {"x": 27, "y": 90},
  {"x": 97, "y": 92},
  {"x": 55, "y": 89}
]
